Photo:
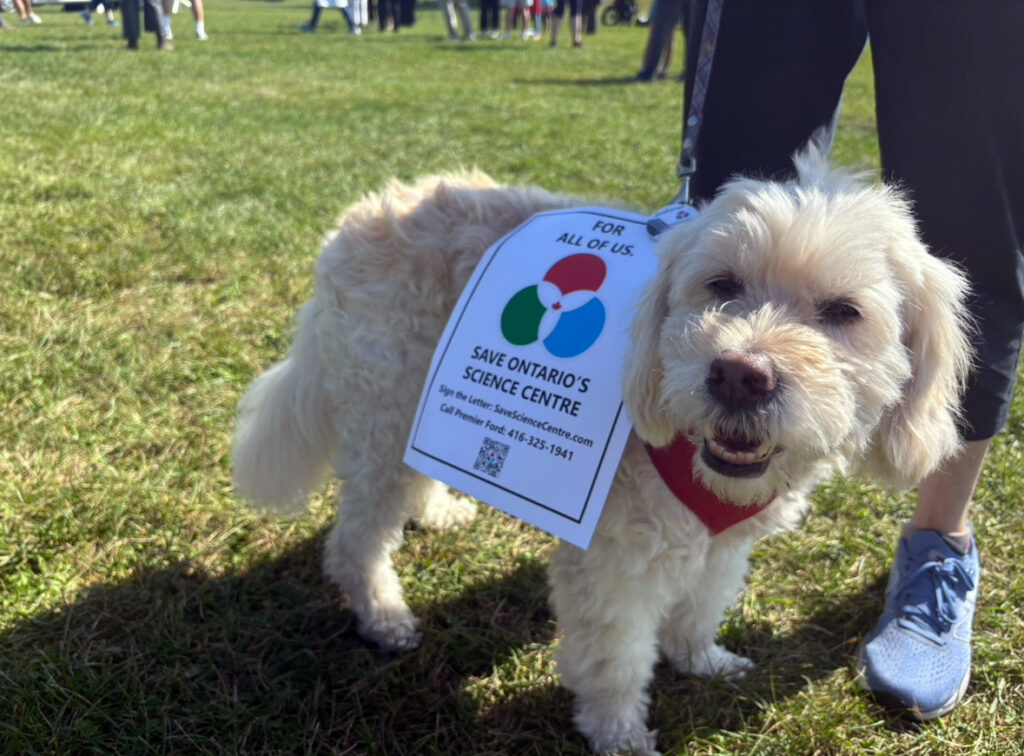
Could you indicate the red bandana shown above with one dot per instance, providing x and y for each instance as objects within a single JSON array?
[{"x": 674, "y": 464}]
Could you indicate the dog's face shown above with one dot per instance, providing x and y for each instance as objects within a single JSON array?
[{"x": 799, "y": 328}]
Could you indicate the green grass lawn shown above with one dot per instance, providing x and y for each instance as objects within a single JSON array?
[{"x": 160, "y": 215}]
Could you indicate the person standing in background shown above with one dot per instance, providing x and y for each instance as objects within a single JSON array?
[
  {"x": 511, "y": 8},
  {"x": 558, "y": 16},
  {"x": 25, "y": 13},
  {"x": 153, "y": 21},
  {"x": 449, "y": 9},
  {"x": 318, "y": 8},
  {"x": 490, "y": 18},
  {"x": 661, "y": 38},
  {"x": 93, "y": 6},
  {"x": 197, "y": 14},
  {"x": 360, "y": 12}
]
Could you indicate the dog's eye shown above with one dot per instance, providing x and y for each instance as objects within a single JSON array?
[
  {"x": 726, "y": 287},
  {"x": 838, "y": 312}
]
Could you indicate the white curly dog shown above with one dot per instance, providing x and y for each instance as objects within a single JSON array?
[{"x": 794, "y": 330}]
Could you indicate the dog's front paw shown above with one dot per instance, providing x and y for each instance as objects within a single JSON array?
[
  {"x": 392, "y": 633},
  {"x": 444, "y": 511},
  {"x": 714, "y": 661},
  {"x": 641, "y": 742},
  {"x": 613, "y": 736}
]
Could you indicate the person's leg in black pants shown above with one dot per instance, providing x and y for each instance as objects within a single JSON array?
[
  {"x": 131, "y": 29},
  {"x": 951, "y": 130},
  {"x": 777, "y": 76},
  {"x": 130, "y": 23}
]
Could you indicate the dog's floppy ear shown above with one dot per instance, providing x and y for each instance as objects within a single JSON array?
[
  {"x": 645, "y": 369},
  {"x": 921, "y": 431}
]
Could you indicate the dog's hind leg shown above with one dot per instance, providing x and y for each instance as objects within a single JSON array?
[
  {"x": 687, "y": 635},
  {"x": 373, "y": 508}
]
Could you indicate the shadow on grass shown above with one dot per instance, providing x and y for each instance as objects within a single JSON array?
[
  {"x": 17, "y": 48},
  {"x": 787, "y": 663},
  {"x": 267, "y": 661},
  {"x": 261, "y": 661},
  {"x": 616, "y": 81}
]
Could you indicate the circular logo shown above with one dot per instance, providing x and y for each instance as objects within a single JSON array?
[{"x": 562, "y": 311}]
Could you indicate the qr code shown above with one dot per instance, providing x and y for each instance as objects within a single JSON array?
[{"x": 491, "y": 457}]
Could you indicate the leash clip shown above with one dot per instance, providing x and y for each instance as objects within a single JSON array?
[
  {"x": 685, "y": 168},
  {"x": 679, "y": 210}
]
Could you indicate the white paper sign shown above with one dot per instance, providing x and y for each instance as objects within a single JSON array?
[{"x": 522, "y": 407}]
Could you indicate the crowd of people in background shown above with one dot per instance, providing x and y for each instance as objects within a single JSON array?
[
  {"x": 525, "y": 19},
  {"x": 522, "y": 19},
  {"x": 26, "y": 15},
  {"x": 498, "y": 19},
  {"x": 157, "y": 17}
]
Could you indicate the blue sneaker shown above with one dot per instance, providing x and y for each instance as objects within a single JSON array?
[{"x": 918, "y": 657}]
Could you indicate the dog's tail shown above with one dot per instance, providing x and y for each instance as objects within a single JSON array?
[{"x": 283, "y": 438}]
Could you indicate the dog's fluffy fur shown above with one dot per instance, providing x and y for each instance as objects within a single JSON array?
[{"x": 818, "y": 290}]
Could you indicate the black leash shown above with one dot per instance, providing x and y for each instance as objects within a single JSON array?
[{"x": 680, "y": 208}]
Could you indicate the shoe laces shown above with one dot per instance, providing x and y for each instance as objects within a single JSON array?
[{"x": 932, "y": 595}]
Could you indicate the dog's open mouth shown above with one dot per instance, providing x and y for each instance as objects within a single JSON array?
[{"x": 736, "y": 456}]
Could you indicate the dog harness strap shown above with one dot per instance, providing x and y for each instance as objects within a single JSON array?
[
  {"x": 674, "y": 464},
  {"x": 692, "y": 121}
]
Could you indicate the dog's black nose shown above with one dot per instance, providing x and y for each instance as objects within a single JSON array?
[{"x": 741, "y": 380}]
